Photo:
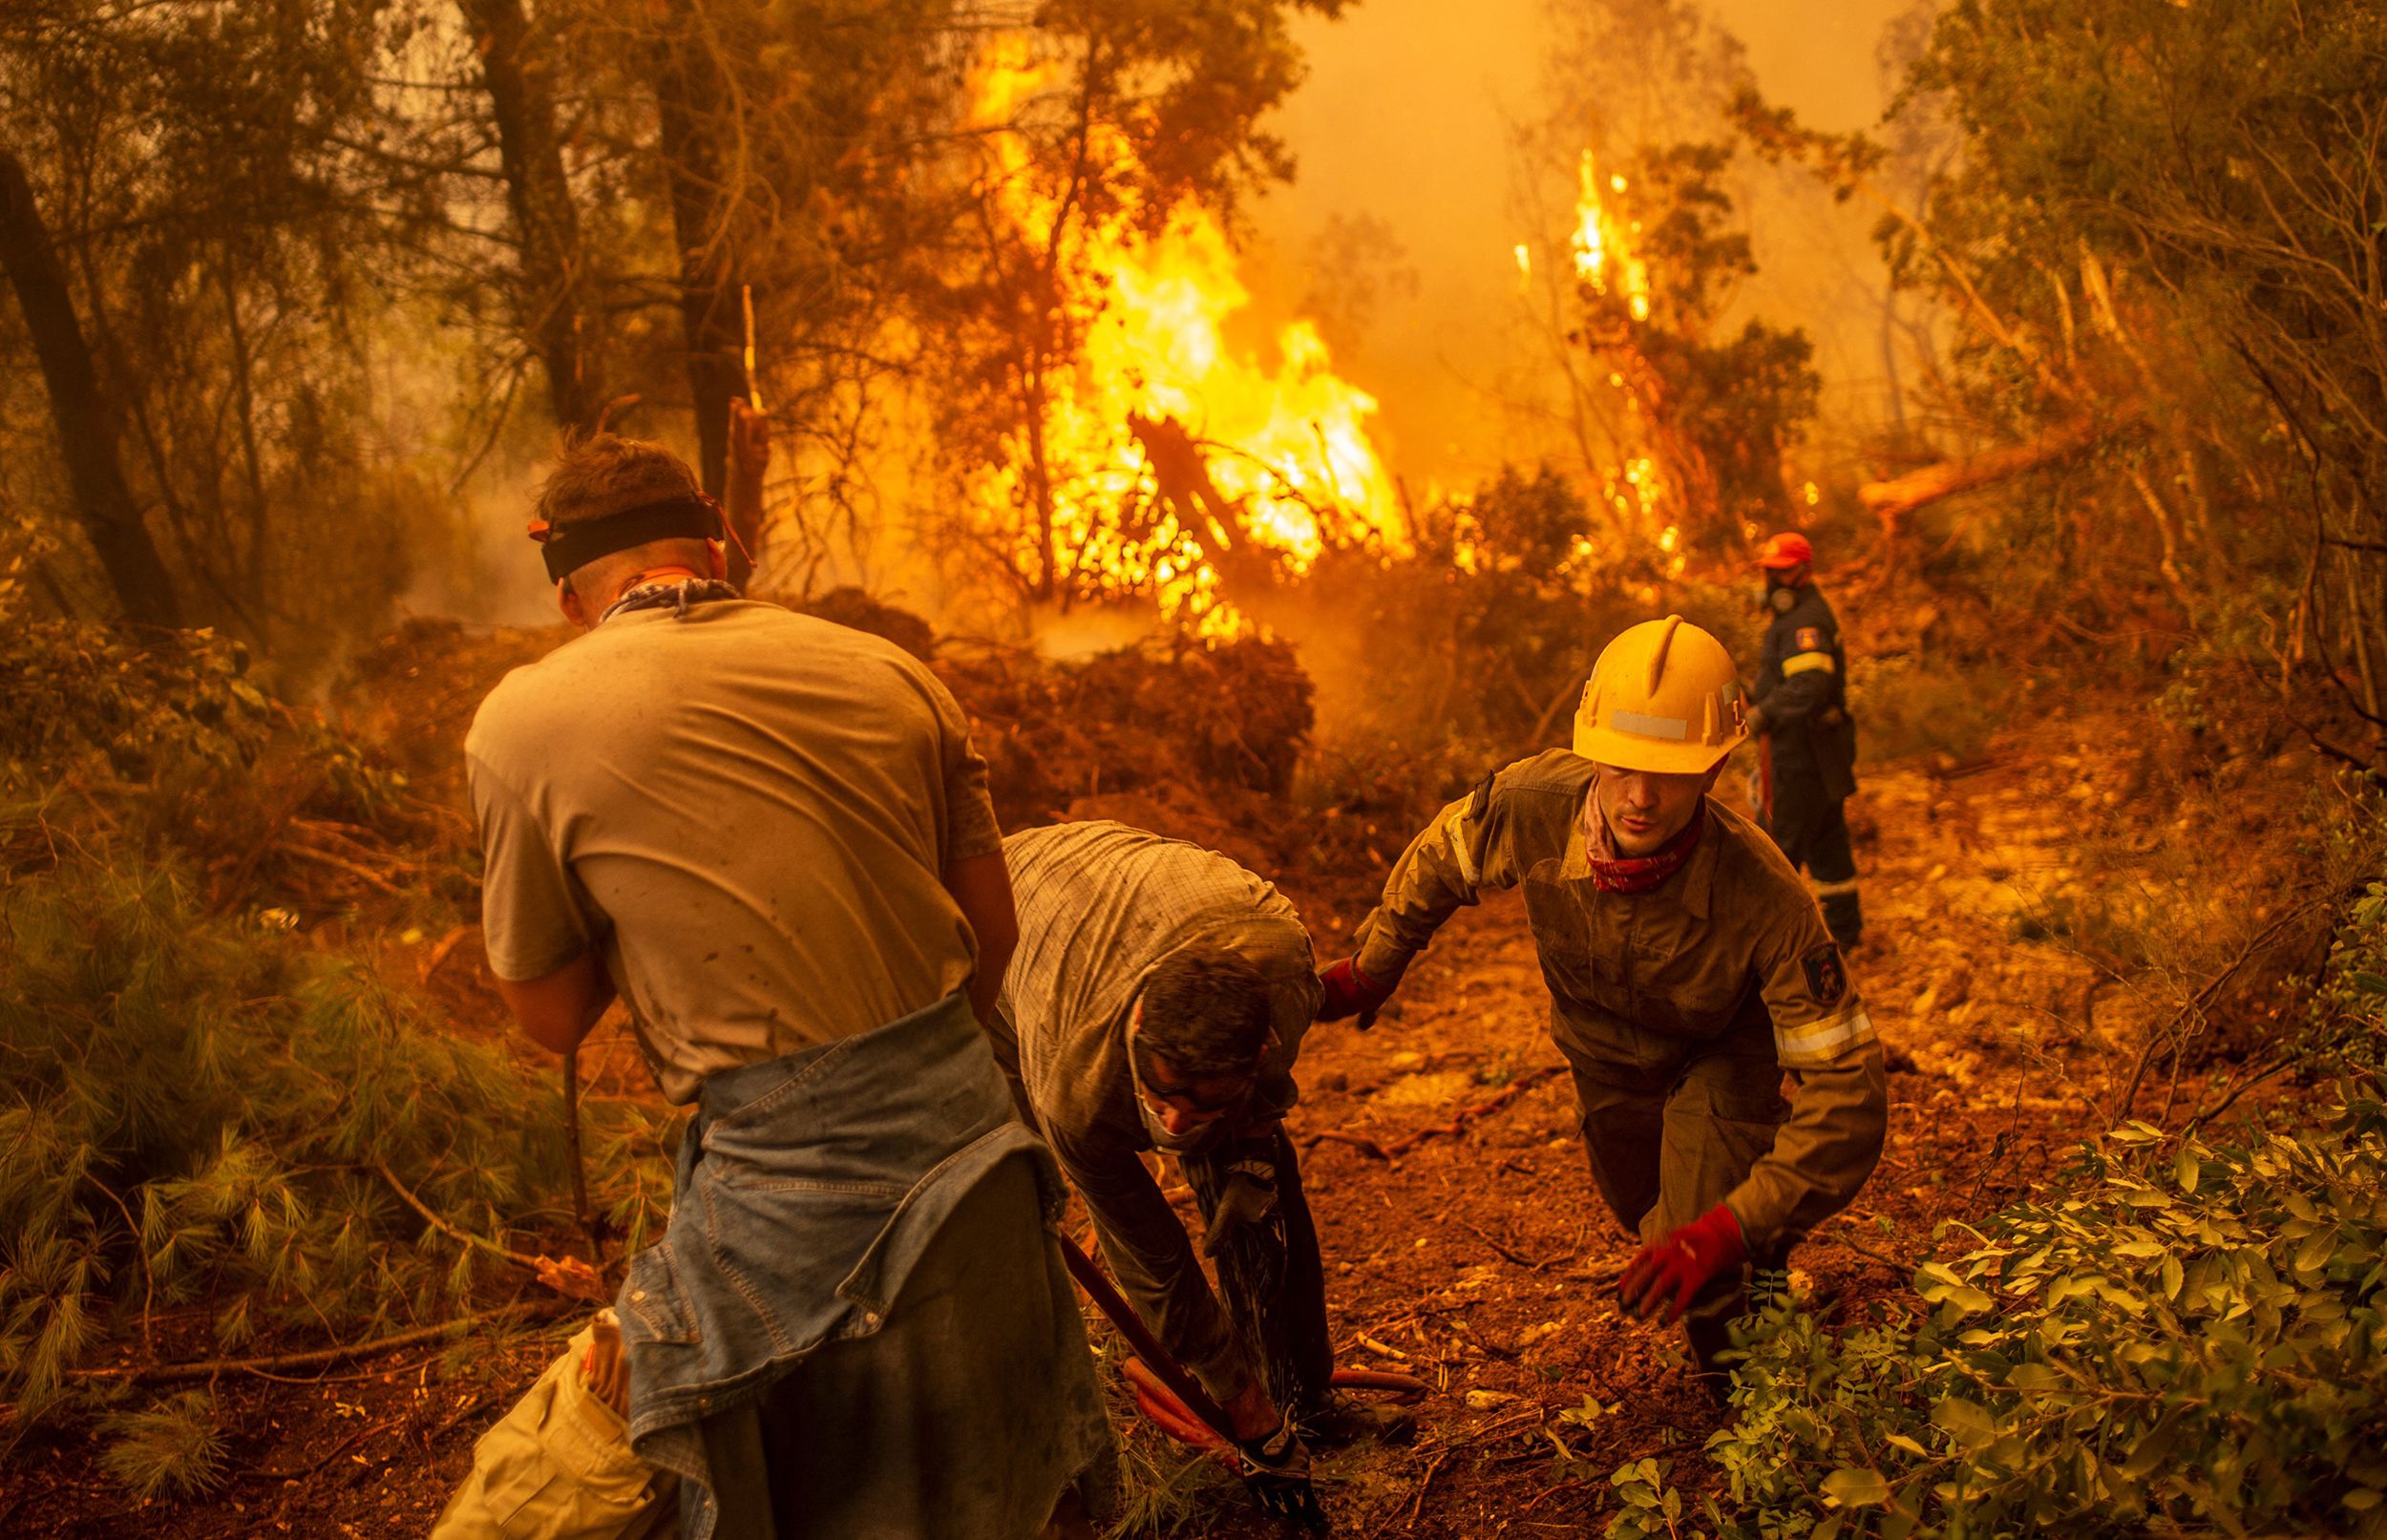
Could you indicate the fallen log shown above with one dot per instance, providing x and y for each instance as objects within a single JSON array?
[{"x": 1893, "y": 499}]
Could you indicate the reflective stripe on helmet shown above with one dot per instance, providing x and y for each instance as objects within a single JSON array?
[{"x": 1672, "y": 728}]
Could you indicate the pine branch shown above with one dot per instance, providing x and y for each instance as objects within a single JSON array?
[
  {"x": 529, "y": 1264},
  {"x": 567, "y": 1276}
]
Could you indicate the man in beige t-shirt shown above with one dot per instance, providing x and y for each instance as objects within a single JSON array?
[
  {"x": 776, "y": 799},
  {"x": 773, "y": 835}
]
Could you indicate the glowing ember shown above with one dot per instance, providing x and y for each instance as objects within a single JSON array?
[
  {"x": 1604, "y": 256},
  {"x": 1162, "y": 457}
]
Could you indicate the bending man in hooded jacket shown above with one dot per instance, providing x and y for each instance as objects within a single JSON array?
[
  {"x": 1689, "y": 973},
  {"x": 1157, "y": 1000}
]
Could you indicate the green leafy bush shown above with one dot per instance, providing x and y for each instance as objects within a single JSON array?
[
  {"x": 129, "y": 749},
  {"x": 1495, "y": 620},
  {"x": 1909, "y": 708},
  {"x": 196, "y": 1113},
  {"x": 87, "y": 697},
  {"x": 2348, "y": 1015},
  {"x": 2191, "y": 1340}
]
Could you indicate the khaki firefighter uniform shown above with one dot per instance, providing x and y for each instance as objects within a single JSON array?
[{"x": 1680, "y": 1009}]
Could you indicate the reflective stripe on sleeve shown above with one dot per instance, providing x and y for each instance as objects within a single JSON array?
[
  {"x": 1454, "y": 832},
  {"x": 1818, "y": 1044},
  {"x": 1799, "y": 662}
]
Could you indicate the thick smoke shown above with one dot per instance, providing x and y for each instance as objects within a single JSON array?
[{"x": 1409, "y": 123}]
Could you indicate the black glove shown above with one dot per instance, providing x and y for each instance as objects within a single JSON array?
[
  {"x": 1247, "y": 1197},
  {"x": 1277, "y": 1471}
]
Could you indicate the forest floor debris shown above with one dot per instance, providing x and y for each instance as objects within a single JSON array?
[{"x": 1463, "y": 1241}]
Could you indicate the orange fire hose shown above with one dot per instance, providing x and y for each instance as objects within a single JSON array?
[{"x": 1162, "y": 1410}]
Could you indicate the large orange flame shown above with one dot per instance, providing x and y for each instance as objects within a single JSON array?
[
  {"x": 1605, "y": 248},
  {"x": 1285, "y": 448}
]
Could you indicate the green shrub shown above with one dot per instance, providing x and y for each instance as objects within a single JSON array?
[
  {"x": 2348, "y": 1015},
  {"x": 83, "y": 697},
  {"x": 197, "y": 1111},
  {"x": 132, "y": 749},
  {"x": 1908, "y": 709},
  {"x": 2192, "y": 1341}
]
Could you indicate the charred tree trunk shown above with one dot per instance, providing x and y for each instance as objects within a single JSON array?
[
  {"x": 86, "y": 427},
  {"x": 1893, "y": 499},
  {"x": 554, "y": 290},
  {"x": 688, "y": 91}
]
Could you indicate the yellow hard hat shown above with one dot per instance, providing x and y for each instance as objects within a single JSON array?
[{"x": 1665, "y": 697}]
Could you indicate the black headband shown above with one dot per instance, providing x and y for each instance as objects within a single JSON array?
[{"x": 573, "y": 546}]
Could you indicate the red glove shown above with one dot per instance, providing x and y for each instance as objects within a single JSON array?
[
  {"x": 1350, "y": 992},
  {"x": 1665, "y": 1276}
]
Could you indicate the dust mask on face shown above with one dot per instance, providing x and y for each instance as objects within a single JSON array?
[{"x": 1191, "y": 1139}]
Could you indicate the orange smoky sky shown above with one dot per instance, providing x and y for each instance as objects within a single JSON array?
[{"x": 1408, "y": 119}]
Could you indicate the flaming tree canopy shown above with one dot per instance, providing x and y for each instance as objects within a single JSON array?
[{"x": 1143, "y": 456}]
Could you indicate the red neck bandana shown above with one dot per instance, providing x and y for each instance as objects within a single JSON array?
[{"x": 1611, "y": 872}]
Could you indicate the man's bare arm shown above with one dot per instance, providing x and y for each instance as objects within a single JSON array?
[
  {"x": 982, "y": 885},
  {"x": 555, "y": 1010}
]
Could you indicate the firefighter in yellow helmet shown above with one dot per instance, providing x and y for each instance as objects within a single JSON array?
[{"x": 1689, "y": 972}]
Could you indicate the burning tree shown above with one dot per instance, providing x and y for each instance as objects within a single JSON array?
[
  {"x": 1109, "y": 441},
  {"x": 1695, "y": 422}
]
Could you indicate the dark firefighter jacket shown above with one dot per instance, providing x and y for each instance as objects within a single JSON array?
[{"x": 1802, "y": 686}]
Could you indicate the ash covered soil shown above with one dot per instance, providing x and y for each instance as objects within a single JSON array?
[
  {"x": 1482, "y": 1260},
  {"x": 1463, "y": 1241}
]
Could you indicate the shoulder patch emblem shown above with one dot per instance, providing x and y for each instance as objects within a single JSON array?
[
  {"x": 1827, "y": 976},
  {"x": 1811, "y": 638}
]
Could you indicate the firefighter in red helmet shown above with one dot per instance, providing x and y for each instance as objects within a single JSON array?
[{"x": 1808, "y": 741}]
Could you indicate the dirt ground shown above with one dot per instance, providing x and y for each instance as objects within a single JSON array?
[{"x": 1480, "y": 1260}]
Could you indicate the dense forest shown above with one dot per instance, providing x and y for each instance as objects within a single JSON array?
[{"x": 955, "y": 308}]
